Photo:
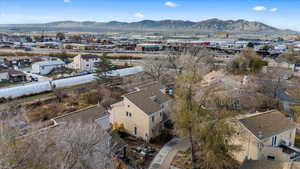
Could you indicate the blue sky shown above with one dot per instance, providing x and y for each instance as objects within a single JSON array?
[{"x": 278, "y": 13}]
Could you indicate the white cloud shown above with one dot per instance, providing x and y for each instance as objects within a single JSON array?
[
  {"x": 273, "y": 9},
  {"x": 139, "y": 15},
  {"x": 67, "y": 1},
  {"x": 259, "y": 8},
  {"x": 171, "y": 4}
]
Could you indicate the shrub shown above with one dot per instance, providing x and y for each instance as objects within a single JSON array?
[
  {"x": 92, "y": 98},
  {"x": 46, "y": 112},
  {"x": 246, "y": 62},
  {"x": 238, "y": 66},
  {"x": 297, "y": 141},
  {"x": 256, "y": 64}
]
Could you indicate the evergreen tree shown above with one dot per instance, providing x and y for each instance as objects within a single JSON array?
[
  {"x": 103, "y": 68},
  {"x": 60, "y": 36}
]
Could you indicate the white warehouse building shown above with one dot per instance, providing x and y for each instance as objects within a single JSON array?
[{"x": 45, "y": 67}]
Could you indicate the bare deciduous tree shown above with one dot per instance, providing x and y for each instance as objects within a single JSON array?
[
  {"x": 82, "y": 146},
  {"x": 198, "y": 60},
  {"x": 155, "y": 68},
  {"x": 189, "y": 112},
  {"x": 289, "y": 57},
  {"x": 173, "y": 59},
  {"x": 60, "y": 94},
  {"x": 67, "y": 146},
  {"x": 273, "y": 81}
]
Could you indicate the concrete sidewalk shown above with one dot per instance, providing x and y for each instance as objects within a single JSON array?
[{"x": 166, "y": 155}]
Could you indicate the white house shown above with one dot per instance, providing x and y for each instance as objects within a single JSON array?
[
  {"x": 84, "y": 62},
  {"x": 45, "y": 67},
  {"x": 4, "y": 76}
]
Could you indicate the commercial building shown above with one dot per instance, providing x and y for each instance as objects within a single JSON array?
[{"x": 45, "y": 67}]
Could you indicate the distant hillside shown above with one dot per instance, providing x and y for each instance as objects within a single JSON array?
[{"x": 207, "y": 26}]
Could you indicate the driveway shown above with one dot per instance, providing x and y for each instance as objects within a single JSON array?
[{"x": 166, "y": 155}]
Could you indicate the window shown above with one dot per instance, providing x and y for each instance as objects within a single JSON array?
[
  {"x": 153, "y": 119},
  {"x": 271, "y": 158},
  {"x": 87, "y": 65},
  {"x": 260, "y": 146},
  {"x": 274, "y": 141},
  {"x": 160, "y": 114},
  {"x": 128, "y": 114},
  {"x": 135, "y": 131},
  {"x": 128, "y": 105}
]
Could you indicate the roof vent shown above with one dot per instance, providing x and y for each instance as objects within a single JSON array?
[{"x": 153, "y": 98}]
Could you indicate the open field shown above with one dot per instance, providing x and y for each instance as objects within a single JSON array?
[
  {"x": 13, "y": 52},
  {"x": 47, "y": 105}
]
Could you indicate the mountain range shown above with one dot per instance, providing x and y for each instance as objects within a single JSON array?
[{"x": 206, "y": 26}]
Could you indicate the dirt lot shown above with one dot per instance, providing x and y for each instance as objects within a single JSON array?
[
  {"x": 64, "y": 101},
  {"x": 13, "y": 52},
  {"x": 45, "y": 106}
]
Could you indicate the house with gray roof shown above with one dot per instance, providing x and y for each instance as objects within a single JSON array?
[
  {"x": 266, "y": 136},
  {"x": 16, "y": 76},
  {"x": 93, "y": 114},
  {"x": 142, "y": 112},
  {"x": 267, "y": 164}
]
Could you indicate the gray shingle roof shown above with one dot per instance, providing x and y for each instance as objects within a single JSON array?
[
  {"x": 50, "y": 63},
  {"x": 148, "y": 98},
  {"x": 267, "y": 164},
  {"x": 85, "y": 115},
  {"x": 295, "y": 165},
  {"x": 267, "y": 124},
  {"x": 15, "y": 73},
  {"x": 89, "y": 56},
  {"x": 264, "y": 164}
]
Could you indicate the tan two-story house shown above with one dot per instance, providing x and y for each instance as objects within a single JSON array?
[
  {"x": 84, "y": 62},
  {"x": 266, "y": 136},
  {"x": 142, "y": 112}
]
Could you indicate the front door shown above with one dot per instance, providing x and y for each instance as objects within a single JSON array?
[{"x": 274, "y": 141}]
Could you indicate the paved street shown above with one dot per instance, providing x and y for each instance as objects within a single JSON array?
[{"x": 166, "y": 155}]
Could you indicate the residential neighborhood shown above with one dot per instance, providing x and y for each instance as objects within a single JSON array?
[{"x": 149, "y": 85}]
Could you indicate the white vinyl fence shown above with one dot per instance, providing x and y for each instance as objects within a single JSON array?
[{"x": 39, "y": 87}]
